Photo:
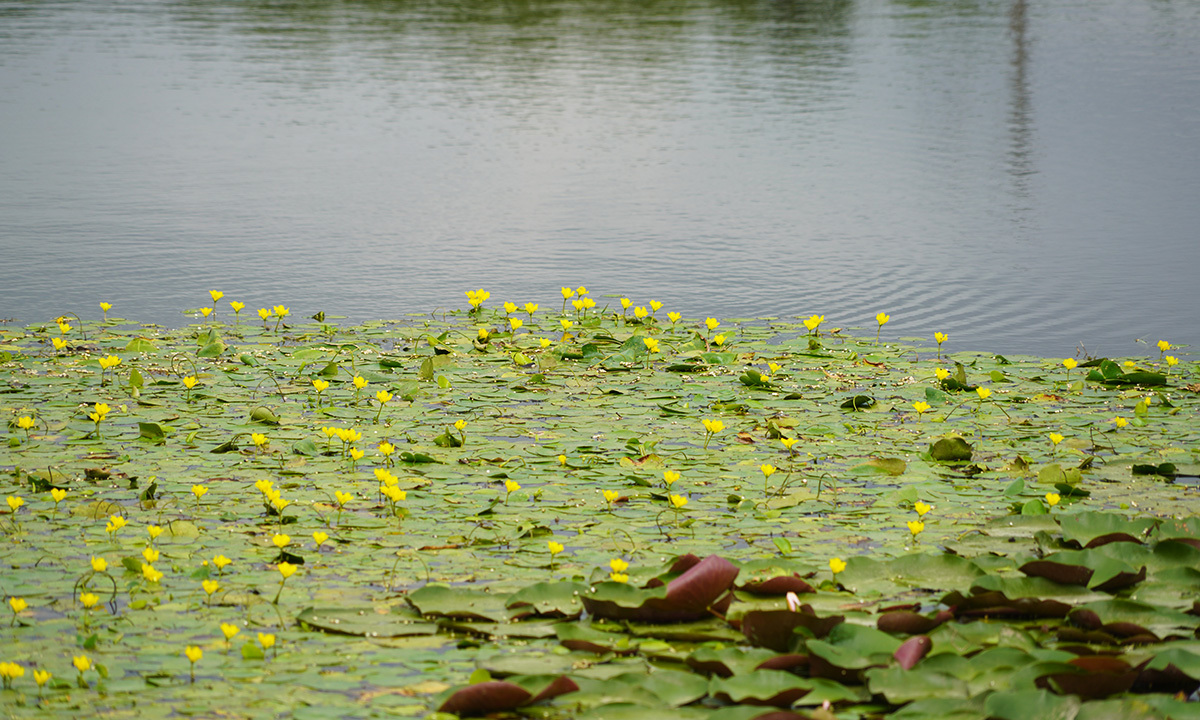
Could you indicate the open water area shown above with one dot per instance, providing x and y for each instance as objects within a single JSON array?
[{"x": 1022, "y": 176}]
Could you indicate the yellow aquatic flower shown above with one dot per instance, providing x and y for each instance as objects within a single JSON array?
[
  {"x": 1070, "y": 363},
  {"x": 1055, "y": 438},
  {"x": 286, "y": 569},
  {"x": 99, "y": 564},
  {"x": 151, "y": 555},
  {"x": 837, "y": 565},
  {"x": 618, "y": 565},
  {"x": 216, "y": 295},
  {"x": 229, "y": 630},
  {"x": 916, "y": 527},
  {"x": 555, "y": 548},
  {"x": 280, "y": 540},
  {"x": 210, "y": 586},
  {"x": 193, "y": 653},
  {"x": 677, "y": 501},
  {"x": 920, "y": 407},
  {"x": 712, "y": 323},
  {"x": 984, "y": 393},
  {"x": 237, "y": 306},
  {"x": 319, "y": 537},
  {"x": 670, "y": 476},
  {"x": 320, "y": 385},
  {"x": 1052, "y": 499},
  {"x": 921, "y": 508},
  {"x": 89, "y": 600}
]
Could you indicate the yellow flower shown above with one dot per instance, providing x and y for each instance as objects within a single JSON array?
[
  {"x": 280, "y": 540},
  {"x": 342, "y": 497},
  {"x": 264, "y": 313},
  {"x": 1052, "y": 499},
  {"x": 719, "y": 340},
  {"x": 655, "y": 306},
  {"x": 562, "y": 459},
  {"x": 286, "y": 569},
  {"x": 193, "y": 653},
  {"x": 577, "y": 304},
  {"x": 229, "y": 630},
  {"x": 555, "y": 548},
  {"x": 189, "y": 382},
  {"x": 611, "y": 496},
  {"x": 1070, "y": 363},
  {"x": 109, "y": 362},
  {"x": 837, "y": 565},
  {"x": 460, "y": 425},
  {"x": 385, "y": 477},
  {"x": 625, "y": 303},
  {"x": 105, "y": 307},
  {"x": 9, "y": 671},
  {"x": 151, "y": 555},
  {"x": 640, "y": 313},
  {"x": 915, "y": 527},
  {"x": 515, "y": 323},
  {"x": 774, "y": 367},
  {"x": 813, "y": 322},
  {"x": 15, "y": 502},
  {"x": 319, "y": 537},
  {"x": 477, "y": 297},
  {"x": 677, "y": 501},
  {"x": 82, "y": 663},
  {"x": 618, "y": 577},
  {"x": 89, "y": 600},
  {"x": 115, "y": 523},
  {"x": 1055, "y": 438},
  {"x": 566, "y": 324},
  {"x": 670, "y": 476},
  {"x": 713, "y": 426},
  {"x": 216, "y": 295},
  {"x": 25, "y": 422},
  {"x": 41, "y": 677},
  {"x": 321, "y": 385},
  {"x": 940, "y": 337},
  {"x": 58, "y": 495},
  {"x": 237, "y": 306},
  {"x": 385, "y": 448},
  {"x": 150, "y": 573},
  {"x": 984, "y": 393},
  {"x": 618, "y": 565},
  {"x": 531, "y": 308},
  {"x": 64, "y": 327},
  {"x": 512, "y": 486},
  {"x": 210, "y": 586},
  {"x": 882, "y": 319},
  {"x": 1120, "y": 422},
  {"x": 712, "y": 323},
  {"x": 17, "y": 604},
  {"x": 280, "y": 311},
  {"x": 674, "y": 317},
  {"x": 1163, "y": 345},
  {"x": 99, "y": 564},
  {"x": 483, "y": 334},
  {"x": 199, "y": 491},
  {"x": 383, "y": 396},
  {"x": 941, "y": 373},
  {"x": 393, "y": 493},
  {"x": 767, "y": 470},
  {"x": 544, "y": 342},
  {"x": 510, "y": 308},
  {"x": 651, "y": 344},
  {"x": 267, "y": 640},
  {"x": 259, "y": 439},
  {"x": 221, "y": 561},
  {"x": 788, "y": 442},
  {"x": 356, "y": 454},
  {"x": 206, "y": 311},
  {"x": 1172, "y": 361},
  {"x": 920, "y": 407},
  {"x": 567, "y": 293},
  {"x": 360, "y": 382},
  {"x": 59, "y": 343},
  {"x": 921, "y": 508},
  {"x": 581, "y": 290}
]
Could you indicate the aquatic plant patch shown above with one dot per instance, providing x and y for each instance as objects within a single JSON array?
[{"x": 598, "y": 511}]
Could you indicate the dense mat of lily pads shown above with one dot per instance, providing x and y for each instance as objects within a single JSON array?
[{"x": 600, "y": 511}]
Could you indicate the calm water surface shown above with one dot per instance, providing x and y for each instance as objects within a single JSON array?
[{"x": 1022, "y": 176}]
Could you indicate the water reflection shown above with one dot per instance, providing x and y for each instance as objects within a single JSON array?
[{"x": 771, "y": 157}]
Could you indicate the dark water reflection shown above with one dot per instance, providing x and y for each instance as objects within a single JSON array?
[{"x": 1021, "y": 176}]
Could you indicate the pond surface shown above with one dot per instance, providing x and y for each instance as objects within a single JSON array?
[{"x": 1022, "y": 176}]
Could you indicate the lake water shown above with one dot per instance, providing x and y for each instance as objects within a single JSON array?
[{"x": 1022, "y": 176}]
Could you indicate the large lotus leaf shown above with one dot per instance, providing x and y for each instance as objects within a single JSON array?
[
  {"x": 519, "y": 666},
  {"x": 498, "y": 695},
  {"x": 1163, "y": 622},
  {"x": 710, "y": 630},
  {"x": 1092, "y": 677},
  {"x": 761, "y": 687},
  {"x": 1098, "y": 569},
  {"x": 853, "y": 647},
  {"x": 995, "y": 604},
  {"x": 1091, "y": 528},
  {"x": 1028, "y": 704},
  {"x": 555, "y": 599},
  {"x": 1034, "y": 587},
  {"x": 726, "y": 661},
  {"x": 443, "y": 601},
  {"x": 366, "y": 621},
  {"x": 674, "y": 688},
  {"x": 920, "y": 570},
  {"x": 578, "y": 636},
  {"x": 524, "y": 630},
  {"x": 901, "y": 686},
  {"x": 688, "y": 597},
  {"x": 776, "y": 629},
  {"x": 907, "y": 622}
]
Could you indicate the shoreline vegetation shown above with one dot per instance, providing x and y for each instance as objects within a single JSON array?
[{"x": 600, "y": 510}]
